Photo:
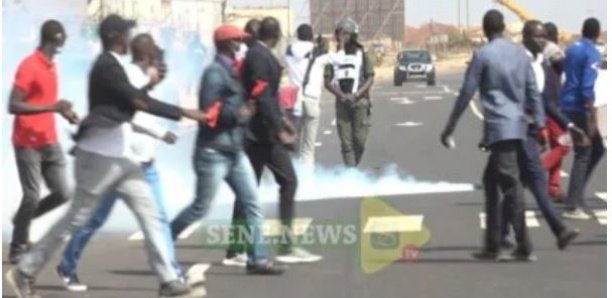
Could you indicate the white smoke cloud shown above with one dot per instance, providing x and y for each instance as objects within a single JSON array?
[
  {"x": 178, "y": 181},
  {"x": 178, "y": 184}
]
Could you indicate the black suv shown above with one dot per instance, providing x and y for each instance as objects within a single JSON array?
[{"x": 414, "y": 64}]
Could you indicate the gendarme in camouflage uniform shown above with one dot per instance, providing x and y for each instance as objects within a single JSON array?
[{"x": 349, "y": 76}]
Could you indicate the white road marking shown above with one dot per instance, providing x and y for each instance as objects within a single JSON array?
[
  {"x": 327, "y": 132},
  {"x": 431, "y": 98},
  {"x": 446, "y": 89},
  {"x": 189, "y": 230},
  {"x": 602, "y": 195},
  {"x": 530, "y": 218},
  {"x": 401, "y": 223},
  {"x": 421, "y": 86},
  {"x": 409, "y": 124},
  {"x": 601, "y": 216},
  {"x": 399, "y": 98},
  {"x": 406, "y": 102},
  {"x": 333, "y": 123},
  {"x": 195, "y": 273},
  {"x": 273, "y": 227},
  {"x": 318, "y": 144},
  {"x": 564, "y": 174},
  {"x": 138, "y": 236}
]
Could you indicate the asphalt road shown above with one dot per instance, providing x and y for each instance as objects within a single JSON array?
[{"x": 405, "y": 127}]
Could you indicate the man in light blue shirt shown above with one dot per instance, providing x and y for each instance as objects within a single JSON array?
[
  {"x": 577, "y": 98},
  {"x": 503, "y": 73}
]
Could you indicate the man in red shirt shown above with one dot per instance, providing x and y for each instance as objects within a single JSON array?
[{"x": 34, "y": 101}]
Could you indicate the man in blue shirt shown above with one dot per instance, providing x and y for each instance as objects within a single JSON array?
[
  {"x": 577, "y": 98},
  {"x": 507, "y": 90}
]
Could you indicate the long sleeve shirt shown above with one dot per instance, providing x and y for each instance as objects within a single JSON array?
[
  {"x": 502, "y": 72},
  {"x": 582, "y": 61},
  {"x": 261, "y": 79},
  {"x": 549, "y": 86}
]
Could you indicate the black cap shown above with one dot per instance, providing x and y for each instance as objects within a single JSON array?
[{"x": 113, "y": 24}]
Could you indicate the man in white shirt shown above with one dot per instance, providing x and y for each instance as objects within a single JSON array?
[
  {"x": 306, "y": 62},
  {"x": 140, "y": 146}
]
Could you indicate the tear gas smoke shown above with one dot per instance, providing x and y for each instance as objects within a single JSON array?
[{"x": 186, "y": 57}]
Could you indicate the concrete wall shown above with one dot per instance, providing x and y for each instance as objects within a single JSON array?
[{"x": 240, "y": 16}]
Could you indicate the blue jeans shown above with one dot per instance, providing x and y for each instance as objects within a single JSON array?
[
  {"x": 77, "y": 243},
  {"x": 212, "y": 167}
]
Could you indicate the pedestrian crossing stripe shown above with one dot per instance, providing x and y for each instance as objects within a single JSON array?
[
  {"x": 530, "y": 219},
  {"x": 401, "y": 223},
  {"x": 602, "y": 195},
  {"x": 138, "y": 236},
  {"x": 273, "y": 227},
  {"x": 602, "y": 216},
  {"x": 189, "y": 230},
  {"x": 431, "y": 98},
  {"x": 409, "y": 124}
]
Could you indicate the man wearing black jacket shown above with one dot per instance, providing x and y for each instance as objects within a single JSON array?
[
  {"x": 104, "y": 163},
  {"x": 270, "y": 132}
]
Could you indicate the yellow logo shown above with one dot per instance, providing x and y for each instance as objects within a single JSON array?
[{"x": 388, "y": 235}]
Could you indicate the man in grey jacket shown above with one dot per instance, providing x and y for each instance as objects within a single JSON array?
[{"x": 503, "y": 73}]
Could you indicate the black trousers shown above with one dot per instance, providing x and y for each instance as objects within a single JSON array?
[
  {"x": 585, "y": 161},
  {"x": 36, "y": 165},
  {"x": 502, "y": 176},
  {"x": 278, "y": 160},
  {"x": 535, "y": 178}
]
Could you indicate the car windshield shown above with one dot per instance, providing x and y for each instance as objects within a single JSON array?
[{"x": 414, "y": 56}]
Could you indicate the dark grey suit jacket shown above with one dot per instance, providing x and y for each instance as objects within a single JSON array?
[{"x": 502, "y": 72}]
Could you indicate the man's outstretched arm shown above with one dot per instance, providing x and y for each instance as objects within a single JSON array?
[{"x": 471, "y": 83}]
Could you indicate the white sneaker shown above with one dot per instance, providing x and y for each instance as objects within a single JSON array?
[
  {"x": 578, "y": 214},
  {"x": 240, "y": 260},
  {"x": 71, "y": 282},
  {"x": 298, "y": 255}
]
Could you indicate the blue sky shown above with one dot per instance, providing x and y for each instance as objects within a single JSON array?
[{"x": 568, "y": 14}]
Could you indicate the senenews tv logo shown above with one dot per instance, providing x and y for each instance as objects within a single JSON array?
[{"x": 381, "y": 235}]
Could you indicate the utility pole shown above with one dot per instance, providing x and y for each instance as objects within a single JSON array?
[
  {"x": 467, "y": 15},
  {"x": 289, "y": 29},
  {"x": 459, "y": 15}
]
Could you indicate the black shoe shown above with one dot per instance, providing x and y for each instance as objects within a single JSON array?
[
  {"x": 22, "y": 284},
  {"x": 566, "y": 237},
  {"x": 16, "y": 251},
  {"x": 174, "y": 289},
  {"x": 265, "y": 269},
  {"x": 486, "y": 255}
]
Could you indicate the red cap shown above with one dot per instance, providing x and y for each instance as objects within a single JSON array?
[{"x": 229, "y": 32}]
